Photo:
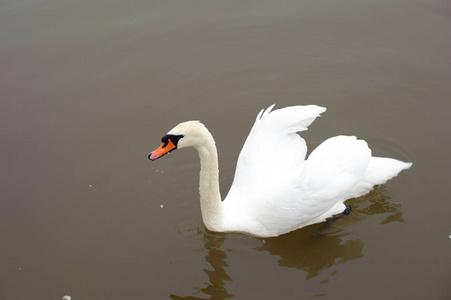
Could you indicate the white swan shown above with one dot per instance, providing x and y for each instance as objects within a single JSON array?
[{"x": 275, "y": 190}]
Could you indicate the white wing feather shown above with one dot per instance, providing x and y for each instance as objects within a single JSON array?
[{"x": 273, "y": 151}]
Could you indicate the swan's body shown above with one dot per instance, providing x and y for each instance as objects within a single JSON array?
[{"x": 275, "y": 190}]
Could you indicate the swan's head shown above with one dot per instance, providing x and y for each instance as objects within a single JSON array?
[{"x": 186, "y": 134}]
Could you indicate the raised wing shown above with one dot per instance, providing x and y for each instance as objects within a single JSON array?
[{"x": 273, "y": 152}]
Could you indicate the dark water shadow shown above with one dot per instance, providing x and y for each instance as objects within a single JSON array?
[
  {"x": 311, "y": 249},
  {"x": 314, "y": 250},
  {"x": 217, "y": 276}
]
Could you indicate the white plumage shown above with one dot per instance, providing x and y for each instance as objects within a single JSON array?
[{"x": 275, "y": 189}]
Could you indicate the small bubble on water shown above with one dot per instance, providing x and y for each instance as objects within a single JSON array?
[{"x": 161, "y": 205}]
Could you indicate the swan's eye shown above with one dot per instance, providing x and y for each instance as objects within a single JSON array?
[
  {"x": 171, "y": 137},
  {"x": 165, "y": 141}
]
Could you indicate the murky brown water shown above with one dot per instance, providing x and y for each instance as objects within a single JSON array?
[{"x": 87, "y": 89}]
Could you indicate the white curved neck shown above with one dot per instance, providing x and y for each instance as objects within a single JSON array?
[{"x": 210, "y": 196}]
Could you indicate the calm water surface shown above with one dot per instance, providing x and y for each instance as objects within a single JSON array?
[{"x": 88, "y": 88}]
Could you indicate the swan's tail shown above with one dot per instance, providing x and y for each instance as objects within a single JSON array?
[{"x": 379, "y": 171}]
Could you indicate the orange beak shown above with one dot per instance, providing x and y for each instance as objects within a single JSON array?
[{"x": 165, "y": 148}]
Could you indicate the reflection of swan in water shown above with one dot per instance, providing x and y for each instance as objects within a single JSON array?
[
  {"x": 308, "y": 249},
  {"x": 217, "y": 259},
  {"x": 314, "y": 251}
]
